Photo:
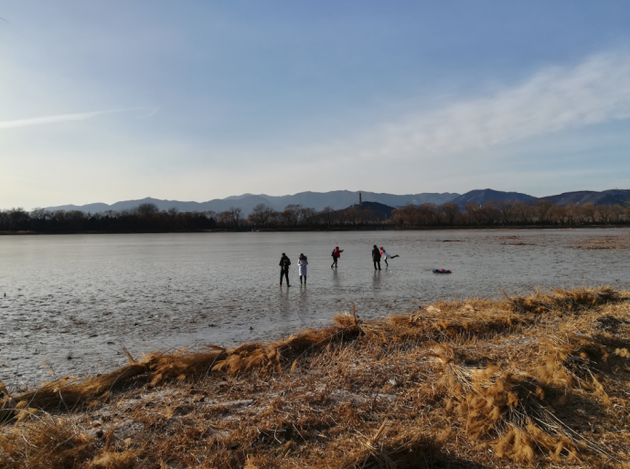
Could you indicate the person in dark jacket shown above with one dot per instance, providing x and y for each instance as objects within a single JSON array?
[
  {"x": 376, "y": 257},
  {"x": 284, "y": 264}
]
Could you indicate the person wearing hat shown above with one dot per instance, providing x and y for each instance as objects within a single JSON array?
[
  {"x": 284, "y": 264},
  {"x": 376, "y": 257}
]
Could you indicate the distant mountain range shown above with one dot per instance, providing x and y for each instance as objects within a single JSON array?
[{"x": 338, "y": 200}]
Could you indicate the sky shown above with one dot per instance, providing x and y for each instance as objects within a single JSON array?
[{"x": 104, "y": 101}]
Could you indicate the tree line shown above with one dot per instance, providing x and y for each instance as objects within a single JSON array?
[
  {"x": 148, "y": 218},
  {"x": 144, "y": 218},
  {"x": 510, "y": 213}
]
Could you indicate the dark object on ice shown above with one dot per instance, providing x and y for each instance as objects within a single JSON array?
[{"x": 441, "y": 271}]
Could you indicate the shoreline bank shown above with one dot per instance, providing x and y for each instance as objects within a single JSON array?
[{"x": 538, "y": 379}]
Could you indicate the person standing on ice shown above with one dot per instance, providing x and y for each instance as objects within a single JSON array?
[
  {"x": 302, "y": 263},
  {"x": 284, "y": 264},
  {"x": 376, "y": 258},
  {"x": 336, "y": 254}
]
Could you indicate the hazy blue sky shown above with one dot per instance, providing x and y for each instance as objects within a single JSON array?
[{"x": 102, "y": 101}]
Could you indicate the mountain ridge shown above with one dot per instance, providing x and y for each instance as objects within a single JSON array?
[
  {"x": 480, "y": 196},
  {"x": 341, "y": 199},
  {"x": 336, "y": 200},
  {"x": 607, "y": 197}
]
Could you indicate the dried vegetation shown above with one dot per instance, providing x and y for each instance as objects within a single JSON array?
[
  {"x": 529, "y": 381},
  {"x": 603, "y": 243}
]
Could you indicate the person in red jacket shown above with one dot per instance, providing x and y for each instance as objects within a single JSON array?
[{"x": 335, "y": 255}]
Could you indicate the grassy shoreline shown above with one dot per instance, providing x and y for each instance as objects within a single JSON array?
[{"x": 539, "y": 380}]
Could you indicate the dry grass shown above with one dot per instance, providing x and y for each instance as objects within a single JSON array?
[
  {"x": 605, "y": 243},
  {"x": 533, "y": 381}
]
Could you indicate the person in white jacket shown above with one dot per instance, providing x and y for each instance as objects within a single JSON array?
[
  {"x": 302, "y": 263},
  {"x": 387, "y": 255}
]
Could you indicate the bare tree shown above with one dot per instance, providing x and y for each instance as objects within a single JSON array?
[
  {"x": 450, "y": 211},
  {"x": 403, "y": 215},
  {"x": 262, "y": 215},
  {"x": 430, "y": 213},
  {"x": 351, "y": 215},
  {"x": 18, "y": 219},
  {"x": 291, "y": 215},
  {"x": 488, "y": 214},
  {"x": 588, "y": 213},
  {"x": 40, "y": 218},
  {"x": 607, "y": 213},
  {"x": 147, "y": 209},
  {"x": 523, "y": 212},
  {"x": 327, "y": 216},
  {"x": 542, "y": 208},
  {"x": 235, "y": 216},
  {"x": 309, "y": 216},
  {"x": 572, "y": 214},
  {"x": 472, "y": 209},
  {"x": 558, "y": 214},
  {"x": 506, "y": 208}
]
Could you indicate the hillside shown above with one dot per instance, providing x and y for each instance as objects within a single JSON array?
[
  {"x": 383, "y": 210},
  {"x": 609, "y": 197},
  {"x": 481, "y": 196}
]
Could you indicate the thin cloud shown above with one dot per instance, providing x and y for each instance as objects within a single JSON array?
[
  {"x": 60, "y": 118},
  {"x": 595, "y": 91},
  {"x": 151, "y": 113},
  {"x": 463, "y": 140}
]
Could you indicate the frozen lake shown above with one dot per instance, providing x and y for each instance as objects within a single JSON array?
[{"x": 68, "y": 302}]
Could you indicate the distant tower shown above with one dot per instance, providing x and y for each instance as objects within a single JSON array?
[{"x": 360, "y": 201}]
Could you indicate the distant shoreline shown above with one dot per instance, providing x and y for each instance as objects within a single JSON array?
[{"x": 336, "y": 229}]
